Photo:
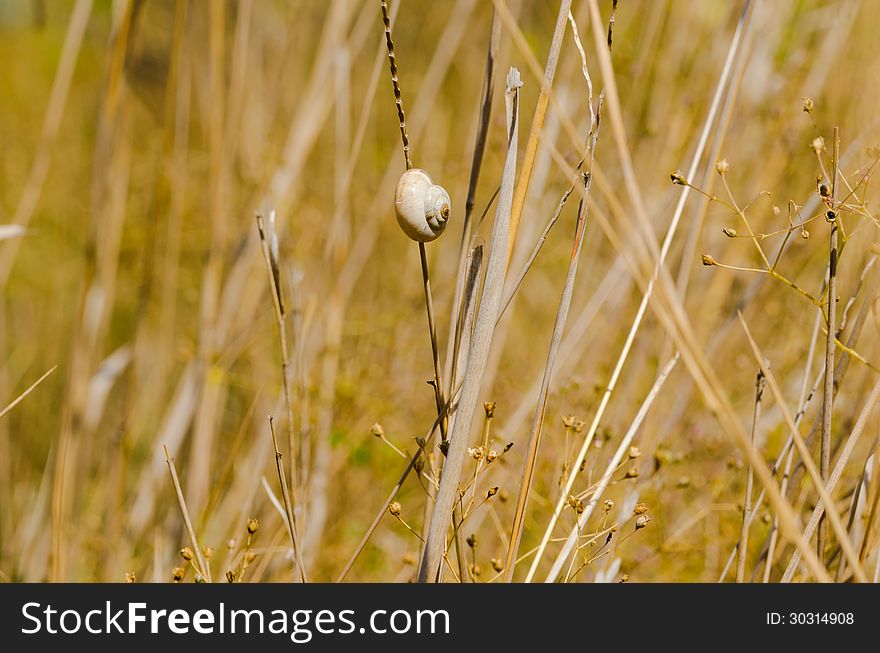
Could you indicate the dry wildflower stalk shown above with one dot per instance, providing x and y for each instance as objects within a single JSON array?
[
  {"x": 479, "y": 348},
  {"x": 204, "y": 569},
  {"x": 423, "y": 443},
  {"x": 622, "y": 450}
]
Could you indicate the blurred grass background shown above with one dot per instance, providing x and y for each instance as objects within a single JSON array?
[{"x": 140, "y": 274}]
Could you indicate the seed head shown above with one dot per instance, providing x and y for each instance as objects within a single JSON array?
[
  {"x": 475, "y": 452},
  {"x": 576, "y": 504},
  {"x": 472, "y": 540},
  {"x": 130, "y": 577},
  {"x": 624, "y": 578},
  {"x": 642, "y": 521},
  {"x": 634, "y": 452},
  {"x": 640, "y": 509},
  {"x": 707, "y": 260},
  {"x": 395, "y": 508},
  {"x": 632, "y": 472},
  {"x": 177, "y": 574},
  {"x": 808, "y": 104},
  {"x": 817, "y": 144},
  {"x": 489, "y": 407},
  {"x": 609, "y": 505},
  {"x": 678, "y": 178},
  {"x": 377, "y": 430},
  {"x": 492, "y": 456},
  {"x": 776, "y": 211},
  {"x": 722, "y": 167},
  {"x": 186, "y": 553},
  {"x": 253, "y": 524},
  {"x": 492, "y": 492},
  {"x": 497, "y": 565},
  {"x": 727, "y": 231},
  {"x": 230, "y": 576}
]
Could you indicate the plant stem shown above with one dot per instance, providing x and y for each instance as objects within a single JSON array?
[{"x": 830, "y": 346}]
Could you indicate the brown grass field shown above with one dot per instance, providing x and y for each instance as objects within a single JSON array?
[{"x": 644, "y": 349}]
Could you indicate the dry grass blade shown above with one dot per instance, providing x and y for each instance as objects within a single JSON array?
[
  {"x": 614, "y": 110},
  {"x": 562, "y": 311},
  {"x": 30, "y": 389},
  {"x": 204, "y": 569},
  {"x": 481, "y": 342},
  {"x": 476, "y": 165},
  {"x": 522, "y": 187}
]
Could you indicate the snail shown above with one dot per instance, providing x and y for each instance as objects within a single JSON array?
[{"x": 421, "y": 206}]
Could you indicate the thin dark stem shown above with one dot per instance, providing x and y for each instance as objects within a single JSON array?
[
  {"x": 396, "y": 84},
  {"x": 830, "y": 346},
  {"x": 750, "y": 479}
]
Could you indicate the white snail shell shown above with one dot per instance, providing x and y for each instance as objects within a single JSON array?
[{"x": 421, "y": 206}]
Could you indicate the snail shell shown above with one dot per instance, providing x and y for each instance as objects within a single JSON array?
[{"x": 421, "y": 206}]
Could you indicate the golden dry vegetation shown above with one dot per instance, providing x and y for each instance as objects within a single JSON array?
[{"x": 140, "y": 140}]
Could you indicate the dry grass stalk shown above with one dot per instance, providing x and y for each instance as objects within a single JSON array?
[
  {"x": 522, "y": 187},
  {"x": 830, "y": 345},
  {"x": 803, "y": 450},
  {"x": 555, "y": 340},
  {"x": 750, "y": 479},
  {"x": 481, "y": 341},
  {"x": 455, "y": 336},
  {"x": 842, "y": 460},
  {"x": 204, "y": 568},
  {"x": 290, "y": 519},
  {"x": 614, "y": 105},
  {"x": 12, "y": 404}
]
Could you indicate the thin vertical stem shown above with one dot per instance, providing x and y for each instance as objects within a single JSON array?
[
  {"x": 750, "y": 480},
  {"x": 204, "y": 569},
  {"x": 398, "y": 100},
  {"x": 830, "y": 346},
  {"x": 288, "y": 508}
]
